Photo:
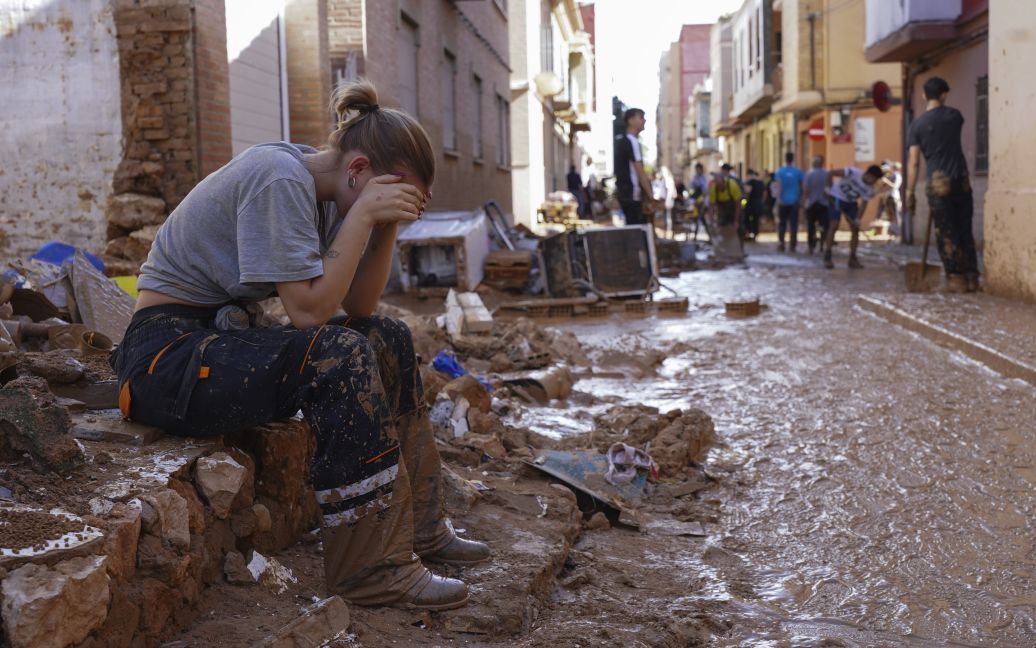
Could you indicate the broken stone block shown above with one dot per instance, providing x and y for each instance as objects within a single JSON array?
[
  {"x": 263, "y": 521},
  {"x": 316, "y": 626},
  {"x": 157, "y": 560},
  {"x": 243, "y": 523},
  {"x": 459, "y": 494},
  {"x": 219, "y": 477},
  {"x": 60, "y": 366},
  {"x": 171, "y": 520},
  {"x": 598, "y": 522},
  {"x": 139, "y": 244},
  {"x": 195, "y": 509},
  {"x": 121, "y": 526},
  {"x": 236, "y": 569},
  {"x": 133, "y": 211},
  {"x": 471, "y": 389},
  {"x": 54, "y": 607},
  {"x": 31, "y": 423}
]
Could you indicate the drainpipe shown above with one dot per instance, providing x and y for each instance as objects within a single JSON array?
[
  {"x": 812, "y": 50},
  {"x": 908, "y": 116}
]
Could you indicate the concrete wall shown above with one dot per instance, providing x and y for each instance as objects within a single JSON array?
[
  {"x": 1010, "y": 228},
  {"x": 846, "y": 70},
  {"x": 60, "y": 122}
]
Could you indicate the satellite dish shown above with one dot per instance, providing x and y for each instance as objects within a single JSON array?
[
  {"x": 548, "y": 84},
  {"x": 881, "y": 95}
]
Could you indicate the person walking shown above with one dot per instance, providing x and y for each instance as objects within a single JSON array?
[
  {"x": 790, "y": 180},
  {"x": 316, "y": 228},
  {"x": 936, "y": 136},
  {"x": 575, "y": 187},
  {"x": 852, "y": 191},
  {"x": 754, "y": 205},
  {"x": 725, "y": 206},
  {"x": 631, "y": 181},
  {"x": 817, "y": 204}
]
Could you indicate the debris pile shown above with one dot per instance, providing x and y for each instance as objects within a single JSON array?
[{"x": 674, "y": 439}]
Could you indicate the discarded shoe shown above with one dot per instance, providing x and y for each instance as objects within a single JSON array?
[
  {"x": 623, "y": 462},
  {"x": 435, "y": 593},
  {"x": 855, "y": 263},
  {"x": 460, "y": 552}
]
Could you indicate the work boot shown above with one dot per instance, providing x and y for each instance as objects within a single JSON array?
[
  {"x": 780, "y": 246},
  {"x": 828, "y": 263},
  {"x": 855, "y": 263},
  {"x": 955, "y": 283},
  {"x": 460, "y": 552},
  {"x": 432, "y": 529},
  {"x": 972, "y": 282},
  {"x": 434, "y": 593}
]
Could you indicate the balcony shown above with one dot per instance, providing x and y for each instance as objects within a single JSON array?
[{"x": 905, "y": 30}]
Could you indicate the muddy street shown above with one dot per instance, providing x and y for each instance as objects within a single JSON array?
[{"x": 876, "y": 490}]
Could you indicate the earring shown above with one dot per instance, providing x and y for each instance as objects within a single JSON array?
[{"x": 352, "y": 182}]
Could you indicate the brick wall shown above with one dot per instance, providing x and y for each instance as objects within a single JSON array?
[
  {"x": 478, "y": 40},
  {"x": 309, "y": 71},
  {"x": 212, "y": 85},
  {"x": 158, "y": 104}
]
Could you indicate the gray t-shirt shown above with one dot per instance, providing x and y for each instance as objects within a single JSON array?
[
  {"x": 245, "y": 227},
  {"x": 816, "y": 186}
]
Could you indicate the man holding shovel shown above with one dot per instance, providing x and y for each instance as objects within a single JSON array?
[{"x": 936, "y": 135}]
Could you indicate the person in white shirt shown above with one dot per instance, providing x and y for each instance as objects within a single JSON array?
[{"x": 852, "y": 191}]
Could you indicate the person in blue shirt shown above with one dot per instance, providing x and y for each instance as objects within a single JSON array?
[{"x": 792, "y": 189}]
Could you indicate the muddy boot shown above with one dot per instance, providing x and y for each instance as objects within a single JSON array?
[
  {"x": 971, "y": 279},
  {"x": 855, "y": 263},
  {"x": 368, "y": 553},
  {"x": 955, "y": 283},
  {"x": 780, "y": 246},
  {"x": 460, "y": 552},
  {"x": 435, "y": 593},
  {"x": 828, "y": 262}
]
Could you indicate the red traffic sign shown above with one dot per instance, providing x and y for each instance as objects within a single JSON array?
[
  {"x": 881, "y": 94},
  {"x": 816, "y": 130}
]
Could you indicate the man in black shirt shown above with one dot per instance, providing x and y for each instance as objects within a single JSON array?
[
  {"x": 936, "y": 135},
  {"x": 754, "y": 208},
  {"x": 631, "y": 181},
  {"x": 575, "y": 187}
]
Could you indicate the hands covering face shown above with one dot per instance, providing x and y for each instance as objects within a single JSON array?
[{"x": 386, "y": 199}]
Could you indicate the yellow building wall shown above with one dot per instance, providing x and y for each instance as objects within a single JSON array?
[
  {"x": 1010, "y": 201},
  {"x": 846, "y": 70}
]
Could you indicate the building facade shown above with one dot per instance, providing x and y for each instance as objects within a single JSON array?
[
  {"x": 447, "y": 64},
  {"x": 948, "y": 39},
  {"x": 552, "y": 97},
  {"x": 1009, "y": 226},
  {"x": 682, "y": 67}
]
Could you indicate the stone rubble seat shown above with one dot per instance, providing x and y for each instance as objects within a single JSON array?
[
  {"x": 54, "y": 607},
  {"x": 219, "y": 478}
]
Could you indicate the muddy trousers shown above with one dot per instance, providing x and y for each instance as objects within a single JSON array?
[
  {"x": 376, "y": 469},
  {"x": 951, "y": 217},
  {"x": 816, "y": 224},
  {"x": 788, "y": 221}
]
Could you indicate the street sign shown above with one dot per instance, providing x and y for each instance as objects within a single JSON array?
[{"x": 816, "y": 130}]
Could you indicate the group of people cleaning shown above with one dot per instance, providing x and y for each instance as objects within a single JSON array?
[{"x": 826, "y": 196}]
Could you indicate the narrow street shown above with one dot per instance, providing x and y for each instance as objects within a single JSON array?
[{"x": 876, "y": 490}]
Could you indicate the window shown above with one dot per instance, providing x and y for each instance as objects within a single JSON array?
[
  {"x": 751, "y": 46},
  {"x": 408, "y": 46},
  {"x": 503, "y": 131},
  {"x": 476, "y": 86},
  {"x": 449, "y": 101},
  {"x": 547, "y": 46},
  {"x": 759, "y": 38},
  {"x": 982, "y": 125}
]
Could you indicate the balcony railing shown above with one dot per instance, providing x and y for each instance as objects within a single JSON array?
[{"x": 885, "y": 18}]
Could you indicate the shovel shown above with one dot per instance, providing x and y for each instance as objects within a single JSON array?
[{"x": 923, "y": 276}]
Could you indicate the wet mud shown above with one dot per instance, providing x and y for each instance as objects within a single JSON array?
[{"x": 875, "y": 489}]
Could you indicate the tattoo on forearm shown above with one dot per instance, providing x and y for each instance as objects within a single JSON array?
[{"x": 332, "y": 253}]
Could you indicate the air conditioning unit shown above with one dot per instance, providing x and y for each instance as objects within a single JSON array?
[{"x": 620, "y": 261}]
